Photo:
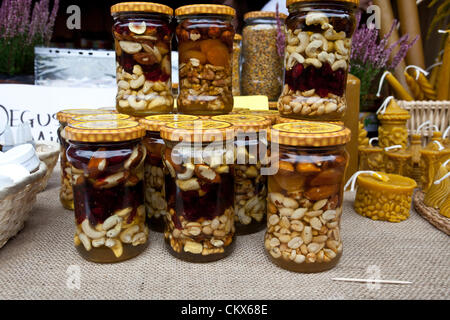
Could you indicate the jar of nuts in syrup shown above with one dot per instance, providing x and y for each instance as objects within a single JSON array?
[{"x": 305, "y": 198}]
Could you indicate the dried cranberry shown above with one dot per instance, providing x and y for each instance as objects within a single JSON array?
[
  {"x": 164, "y": 77},
  {"x": 153, "y": 75},
  {"x": 164, "y": 30},
  {"x": 297, "y": 70}
]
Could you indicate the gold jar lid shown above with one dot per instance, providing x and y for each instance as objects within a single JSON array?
[
  {"x": 155, "y": 122},
  {"x": 205, "y": 9},
  {"x": 281, "y": 119},
  {"x": 310, "y": 134},
  {"x": 110, "y": 109},
  {"x": 245, "y": 122},
  {"x": 141, "y": 7},
  {"x": 289, "y": 2},
  {"x": 197, "y": 131},
  {"x": 272, "y": 115},
  {"x": 67, "y": 114},
  {"x": 237, "y": 37},
  {"x": 103, "y": 116},
  {"x": 263, "y": 14},
  {"x": 105, "y": 131}
]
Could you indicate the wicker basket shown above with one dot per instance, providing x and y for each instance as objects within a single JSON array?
[
  {"x": 16, "y": 203},
  {"x": 436, "y": 111},
  {"x": 49, "y": 153}
]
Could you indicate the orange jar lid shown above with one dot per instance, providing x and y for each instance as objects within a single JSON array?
[
  {"x": 263, "y": 14},
  {"x": 310, "y": 134},
  {"x": 197, "y": 131},
  {"x": 67, "y": 114},
  {"x": 105, "y": 131},
  {"x": 272, "y": 115},
  {"x": 155, "y": 122},
  {"x": 281, "y": 119},
  {"x": 141, "y": 7},
  {"x": 393, "y": 182},
  {"x": 245, "y": 122},
  {"x": 103, "y": 116},
  {"x": 289, "y": 2},
  {"x": 205, "y": 9}
]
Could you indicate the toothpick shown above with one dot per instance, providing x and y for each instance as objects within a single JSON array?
[{"x": 371, "y": 281}]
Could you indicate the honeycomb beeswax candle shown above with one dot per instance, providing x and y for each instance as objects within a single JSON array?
[
  {"x": 393, "y": 120},
  {"x": 370, "y": 157},
  {"x": 398, "y": 160},
  {"x": 439, "y": 191}
]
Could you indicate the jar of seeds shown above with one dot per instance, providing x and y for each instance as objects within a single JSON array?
[
  {"x": 236, "y": 77},
  {"x": 262, "y": 66}
]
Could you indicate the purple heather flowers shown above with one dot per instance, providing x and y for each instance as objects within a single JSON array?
[
  {"x": 370, "y": 57},
  {"x": 23, "y": 26}
]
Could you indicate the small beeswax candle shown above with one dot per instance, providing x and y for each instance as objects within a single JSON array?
[
  {"x": 398, "y": 160},
  {"x": 439, "y": 191},
  {"x": 371, "y": 157},
  {"x": 393, "y": 130}
]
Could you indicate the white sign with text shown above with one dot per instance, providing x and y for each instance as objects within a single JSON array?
[{"x": 38, "y": 105}]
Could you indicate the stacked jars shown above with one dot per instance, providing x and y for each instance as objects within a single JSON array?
[
  {"x": 250, "y": 185},
  {"x": 317, "y": 59},
  {"x": 64, "y": 116},
  {"x": 199, "y": 186},
  {"x": 262, "y": 63},
  {"x": 107, "y": 161},
  {"x": 205, "y": 46},
  {"x": 155, "y": 201},
  {"x": 306, "y": 195},
  {"x": 143, "y": 37}
]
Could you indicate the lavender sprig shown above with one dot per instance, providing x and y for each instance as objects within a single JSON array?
[{"x": 281, "y": 37}]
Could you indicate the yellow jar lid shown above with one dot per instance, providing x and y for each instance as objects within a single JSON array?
[
  {"x": 205, "y": 9},
  {"x": 263, "y": 14},
  {"x": 110, "y": 109},
  {"x": 289, "y": 2},
  {"x": 310, "y": 134},
  {"x": 245, "y": 122},
  {"x": 197, "y": 131},
  {"x": 272, "y": 115},
  {"x": 141, "y": 7},
  {"x": 104, "y": 131},
  {"x": 394, "y": 182},
  {"x": 155, "y": 122},
  {"x": 281, "y": 119},
  {"x": 67, "y": 114},
  {"x": 103, "y": 116}
]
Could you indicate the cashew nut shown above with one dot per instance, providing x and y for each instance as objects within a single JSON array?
[
  {"x": 317, "y": 17},
  {"x": 122, "y": 84},
  {"x": 147, "y": 86},
  {"x": 139, "y": 82},
  {"x": 127, "y": 235},
  {"x": 340, "y": 64},
  {"x": 90, "y": 231},
  {"x": 293, "y": 58},
  {"x": 304, "y": 41},
  {"x": 170, "y": 168},
  {"x": 318, "y": 36},
  {"x": 159, "y": 86},
  {"x": 131, "y": 158},
  {"x": 85, "y": 241},
  {"x": 292, "y": 40},
  {"x": 111, "y": 222},
  {"x": 114, "y": 232},
  {"x": 315, "y": 62},
  {"x": 136, "y": 105},
  {"x": 137, "y": 70},
  {"x": 340, "y": 47},
  {"x": 157, "y": 102},
  {"x": 311, "y": 49},
  {"x": 98, "y": 242},
  {"x": 123, "y": 212},
  {"x": 326, "y": 57},
  {"x": 330, "y": 34},
  {"x": 130, "y": 47},
  {"x": 188, "y": 185},
  {"x": 116, "y": 247},
  {"x": 124, "y": 104},
  {"x": 139, "y": 238},
  {"x": 188, "y": 173}
]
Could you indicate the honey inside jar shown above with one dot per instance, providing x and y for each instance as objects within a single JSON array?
[
  {"x": 306, "y": 196},
  {"x": 199, "y": 188},
  {"x": 205, "y": 45},
  {"x": 107, "y": 164}
]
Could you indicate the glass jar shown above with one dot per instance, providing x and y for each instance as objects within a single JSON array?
[
  {"x": 108, "y": 187},
  {"x": 319, "y": 40},
  {"x": 143, "y": 36},
  {"x": 250, "y": 186},
  {"x": 205, "y": 45},
  {"x": 155, "y": 200},
  {"x": 262, "y": 65},
  {"x": 64, "y": 116},
  {"x": 236, "y": 65},
  {"x": 199, "y": 188},
  {"x": 306, "y": 195}
]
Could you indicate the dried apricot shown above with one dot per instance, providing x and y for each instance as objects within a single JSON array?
[
  {"x": 290, "y": 183},
  {"x": 188, "y": 45},
  {"x": 322, "y": 192},
  {"x": 307, "y": 168},
  {"x": 206, "y": 45},
  {"x": 329, "y": 176},
  {"x": 187, "y": 55},
  {"x": 218, "y": 56}
]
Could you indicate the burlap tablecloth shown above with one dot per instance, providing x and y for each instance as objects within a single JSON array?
[{"x": 34, "y": 265}]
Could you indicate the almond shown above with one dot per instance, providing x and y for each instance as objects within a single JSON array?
[{"x": 206, "y": 173}]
